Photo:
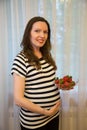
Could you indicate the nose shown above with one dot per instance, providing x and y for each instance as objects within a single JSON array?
[{"x": 42, "y": 34}]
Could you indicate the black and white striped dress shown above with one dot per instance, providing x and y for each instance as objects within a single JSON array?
[{"x": 39, "y": 88}]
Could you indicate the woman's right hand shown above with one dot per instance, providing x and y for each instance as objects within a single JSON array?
[{"x": 53, "y": 110}]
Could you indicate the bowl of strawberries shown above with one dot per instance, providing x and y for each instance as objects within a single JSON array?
[{"x": 65, "y": 83}]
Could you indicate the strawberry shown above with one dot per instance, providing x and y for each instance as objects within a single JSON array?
[
  {"x": 70, "y": 79},
  {"x": 66, "y": 84},
  {"x": 61, "y": 81},
  {"x": 62, "y": 86},
  {"x": 56, "y": 80},
  {"x": 65, "y": 78}
]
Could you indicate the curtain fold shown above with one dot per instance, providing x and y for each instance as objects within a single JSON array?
[{"x": 68, "y": 20}]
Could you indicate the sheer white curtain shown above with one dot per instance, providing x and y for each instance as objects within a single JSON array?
[{"x": 68, "y": 20}]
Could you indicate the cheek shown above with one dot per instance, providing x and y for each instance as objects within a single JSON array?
[
  {"x": 46, "y": 38},
  {"x": 31, "y": 38}
]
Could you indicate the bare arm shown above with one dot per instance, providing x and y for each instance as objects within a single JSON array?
[{"x": 20, "y": 100}]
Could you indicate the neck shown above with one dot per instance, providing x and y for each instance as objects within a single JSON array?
[{"x": 38, "y": 53}]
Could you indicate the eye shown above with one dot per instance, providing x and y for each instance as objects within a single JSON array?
[
  {"x": 37, "y": 30},
  {"x": 46, "y": 32}
]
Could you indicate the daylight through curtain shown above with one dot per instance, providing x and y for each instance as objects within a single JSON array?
[{"x": 68, "y": 20}]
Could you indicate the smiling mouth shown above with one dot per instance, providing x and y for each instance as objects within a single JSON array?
[{"x": 41, "y": 41}]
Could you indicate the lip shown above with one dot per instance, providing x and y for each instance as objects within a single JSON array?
[{"x": 41, "y": 41}]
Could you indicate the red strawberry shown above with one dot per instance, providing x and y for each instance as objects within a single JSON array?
[
  {"x": 70, "y": 79},
  {"x": 62, "y": 86},
  {"x": 65, "y": 78},
  {"x": 66, "y": 84},
  {"x": 56, "y": 80}
]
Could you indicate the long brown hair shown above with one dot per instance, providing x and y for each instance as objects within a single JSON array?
[{"x": 27, "y": 45}]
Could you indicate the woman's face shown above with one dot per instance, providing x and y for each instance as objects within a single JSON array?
[{"x": 38, "y": 34}]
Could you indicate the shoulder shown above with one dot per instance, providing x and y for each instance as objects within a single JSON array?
[
  {"x": 19, "y": 65},
  {"x": 20, "y": 57}
]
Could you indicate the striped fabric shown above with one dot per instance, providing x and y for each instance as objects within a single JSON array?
[{"x": 39, "y": 88}]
